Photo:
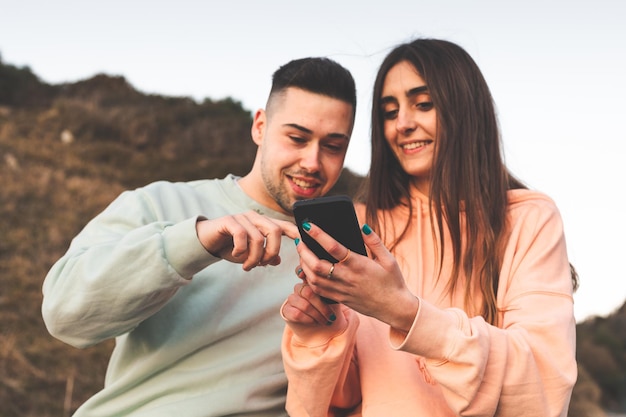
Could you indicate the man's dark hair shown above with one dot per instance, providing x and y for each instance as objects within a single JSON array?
[{"x": 316, "y": 75}]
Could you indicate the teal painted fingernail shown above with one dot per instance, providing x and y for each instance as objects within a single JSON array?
[
  {"x": 296, "y": 241},
  {"x": 299, "y": 271},
  {"x": 306, "y": 226},
  {"x": 328, "y": 323},
  {"x": 366, "y": 229},
  {"x": 332, "y": 317}
]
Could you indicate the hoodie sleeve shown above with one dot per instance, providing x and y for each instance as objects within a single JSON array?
[
  {"x": 527, "y": 361},
  {"x": 321, "y": 367}
]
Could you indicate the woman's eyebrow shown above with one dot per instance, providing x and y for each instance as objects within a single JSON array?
[
  {"x": 410, "y": 93},
  {"x": 416, "y": 91},
  {"x": 387, "y": 99}
]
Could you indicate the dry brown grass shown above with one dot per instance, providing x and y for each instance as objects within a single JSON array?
[
  {"x": 49, "y": 189},
  {"x": 42, "y": 207}
]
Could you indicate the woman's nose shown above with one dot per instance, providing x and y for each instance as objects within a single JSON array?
[{"x": 405, "y": 123}]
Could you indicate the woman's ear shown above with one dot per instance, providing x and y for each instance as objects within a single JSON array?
[{"x": 258, "y": 126}]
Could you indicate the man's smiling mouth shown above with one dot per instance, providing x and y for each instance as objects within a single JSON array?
[{"x": 303, "y": 183}]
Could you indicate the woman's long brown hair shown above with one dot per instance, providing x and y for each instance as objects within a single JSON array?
[{"x": 468, "y": 171}]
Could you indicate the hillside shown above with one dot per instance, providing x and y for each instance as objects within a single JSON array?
[{"x": 68, "y": 150}]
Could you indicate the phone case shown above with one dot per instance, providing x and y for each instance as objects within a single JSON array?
[{"x": 336, "y": 216}]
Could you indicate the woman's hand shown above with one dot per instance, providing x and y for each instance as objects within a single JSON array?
[
  {"x": 304, "y": 307},
  {"x": 373, "y": 286}
]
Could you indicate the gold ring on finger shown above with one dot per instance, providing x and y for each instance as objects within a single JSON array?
[
  {"x": 301, "y": 288},
  {"x": 330, "y": 272},
  {"x": 345, "y": 258}
]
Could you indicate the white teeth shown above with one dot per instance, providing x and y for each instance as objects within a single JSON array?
[
  {"x": 414, "y": 145},
  {"x": 302, "y": 184}
]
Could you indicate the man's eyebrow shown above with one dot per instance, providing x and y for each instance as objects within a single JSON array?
[
  {"x": 411, "y": 93},
  {"x": 310, "y": 132},
  {"x": 298, "y": 127}
]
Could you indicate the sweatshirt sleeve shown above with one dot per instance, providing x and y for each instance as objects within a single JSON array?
[
  {"x": 526, "y": 362},
  {"x": 324, "y": 363},
  {"x": 119, "y": 270}
]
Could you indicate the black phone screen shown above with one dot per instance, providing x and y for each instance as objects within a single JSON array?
[{"x": 336, "y": 216}]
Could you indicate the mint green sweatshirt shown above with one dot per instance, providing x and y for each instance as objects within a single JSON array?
[{"x": 195, "y": 335}]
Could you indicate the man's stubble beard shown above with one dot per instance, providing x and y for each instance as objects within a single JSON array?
[{"x": 276, "y": 190}]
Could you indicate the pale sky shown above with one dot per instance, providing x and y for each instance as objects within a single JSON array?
[{"x": 556, "y": 69}]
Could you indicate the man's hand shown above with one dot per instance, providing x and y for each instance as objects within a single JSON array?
[{"x": 248, "y": 238}]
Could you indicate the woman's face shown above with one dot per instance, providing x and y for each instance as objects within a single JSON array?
[{"x": 410, "y": 122}]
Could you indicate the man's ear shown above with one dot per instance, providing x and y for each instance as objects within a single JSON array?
[{"x": 259, "y": 125}]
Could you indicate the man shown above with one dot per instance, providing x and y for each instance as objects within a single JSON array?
[{"x": 198, "y": 334}]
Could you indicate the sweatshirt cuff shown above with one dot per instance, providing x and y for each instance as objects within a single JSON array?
[
  {"x": 183, "y": 249},
  {"x": 433, "y": 332}
]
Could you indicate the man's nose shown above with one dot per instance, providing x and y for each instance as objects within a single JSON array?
[{"x": 310, "y": 158}]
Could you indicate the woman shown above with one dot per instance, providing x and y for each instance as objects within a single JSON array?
[{"x": 469, "y": 311}]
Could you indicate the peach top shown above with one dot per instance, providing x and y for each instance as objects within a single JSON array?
[{"x": 451, "y": 362}]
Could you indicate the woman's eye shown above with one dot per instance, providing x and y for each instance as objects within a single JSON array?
[
  {"x": 425, "y": 105},
  {"x": 390, "y": 114},
  {"x": 334, "y": 148}
]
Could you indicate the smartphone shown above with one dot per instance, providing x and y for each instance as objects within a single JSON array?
[{"x": 336, "y": 216}]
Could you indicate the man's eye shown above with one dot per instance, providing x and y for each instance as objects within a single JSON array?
[{"x": 297, "y": 139}]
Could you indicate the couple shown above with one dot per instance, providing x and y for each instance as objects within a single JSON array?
[{"x": 464, "y": 306}]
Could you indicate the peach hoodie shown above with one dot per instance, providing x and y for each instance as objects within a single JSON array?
[{"x": 451, "y": 363}]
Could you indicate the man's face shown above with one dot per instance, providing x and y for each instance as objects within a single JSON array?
[{"x": 303, "y": 138}]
